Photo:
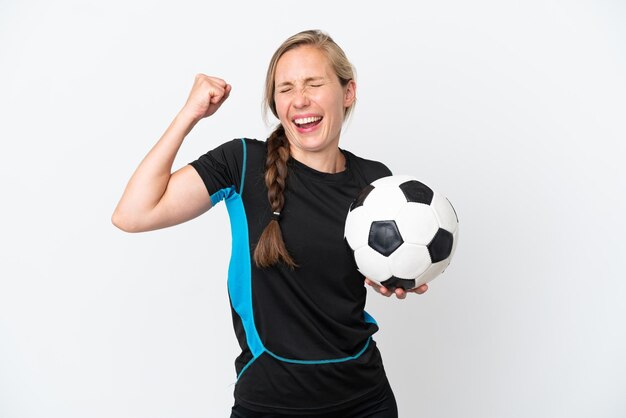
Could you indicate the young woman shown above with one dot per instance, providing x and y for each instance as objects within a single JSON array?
[{"x": 297, "y": 298}]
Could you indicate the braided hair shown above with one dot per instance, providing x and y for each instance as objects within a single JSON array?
[{"x": 271, "y": 247}]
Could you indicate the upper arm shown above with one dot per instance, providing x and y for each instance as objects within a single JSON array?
[
  {"x": 188, "y": 191},
  {"x": 186, "y": 197}
]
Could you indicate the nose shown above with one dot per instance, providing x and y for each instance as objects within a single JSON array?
[{"x": 300, "y": 99}]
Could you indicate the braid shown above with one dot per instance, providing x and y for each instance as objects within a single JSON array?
[{"x": 271, "y": 247}]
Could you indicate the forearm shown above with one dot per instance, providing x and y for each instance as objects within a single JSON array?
[{"x": 149, "y": 181}]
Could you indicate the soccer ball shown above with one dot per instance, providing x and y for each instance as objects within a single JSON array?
[{"x": 402, "y": 233}]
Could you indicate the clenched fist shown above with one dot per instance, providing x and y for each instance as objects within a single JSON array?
[{"x": 206, "y": 96}]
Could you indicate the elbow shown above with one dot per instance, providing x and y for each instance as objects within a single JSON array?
[{"x": 123, "y": 223}]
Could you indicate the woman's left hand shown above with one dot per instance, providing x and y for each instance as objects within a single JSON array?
[{"x": 399, "y": 292}]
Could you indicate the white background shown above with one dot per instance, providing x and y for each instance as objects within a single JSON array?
[{"x": 513, "y": 110}]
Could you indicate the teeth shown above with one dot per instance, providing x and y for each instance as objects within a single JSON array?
[{"x": 302, "y": 121}]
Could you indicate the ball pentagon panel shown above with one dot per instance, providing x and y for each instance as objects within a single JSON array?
[
  {"x": 455, "y": 240},
  {"x": 417, "y": 192},
  {"x": 358, "y": 201},
  {"x": 440, "y": 247},
  {"x": 437, "y": 269},
  {"x": 384, "y": 237}
]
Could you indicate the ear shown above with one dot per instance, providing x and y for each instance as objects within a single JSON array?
[{"x": 349, "y": 94}]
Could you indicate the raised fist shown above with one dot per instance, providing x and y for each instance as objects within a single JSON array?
[{"x": 206, "y": 96}]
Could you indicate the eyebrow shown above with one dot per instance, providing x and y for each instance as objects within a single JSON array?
[{"x": 306, "y": 80}]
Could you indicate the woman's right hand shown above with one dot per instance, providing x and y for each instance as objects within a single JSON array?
[{"x": 206, "y": 96}]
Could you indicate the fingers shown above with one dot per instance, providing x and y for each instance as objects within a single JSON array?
[
  {"x": 203, "y": 78},
  {"x": 420, "y": 289},
  {"x": 206, "y": 96},
  {"x": 227, "y": 90},
  {"x": 399, "y": 292},
  {"x": 385, "y": 292},
  {"x": 378, "y": 288},
  {"x": 218, "y": 93}
]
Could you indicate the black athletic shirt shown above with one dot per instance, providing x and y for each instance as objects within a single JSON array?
[{"x": 305, "y": 338}]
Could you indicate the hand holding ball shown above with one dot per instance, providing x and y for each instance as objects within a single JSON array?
[{"x": 403, "y": 234}]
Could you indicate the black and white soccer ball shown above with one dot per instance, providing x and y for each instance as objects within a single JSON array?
[{"x": 403, "y": 234}]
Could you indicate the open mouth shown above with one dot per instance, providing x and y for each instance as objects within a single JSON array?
[{"x": 308, "y": 122}]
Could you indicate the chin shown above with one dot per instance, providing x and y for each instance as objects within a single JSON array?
[
  {"x": 311, "y": 146},
  {"x": 313, "y": 143}
]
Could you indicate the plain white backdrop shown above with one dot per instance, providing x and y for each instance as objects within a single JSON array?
[{"x": 513, "y": 110}]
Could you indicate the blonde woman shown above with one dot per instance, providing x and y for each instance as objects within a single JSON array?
[{"x": 297, "y": 298}]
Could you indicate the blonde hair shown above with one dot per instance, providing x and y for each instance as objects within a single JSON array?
[{"x": 271, "y": 247}]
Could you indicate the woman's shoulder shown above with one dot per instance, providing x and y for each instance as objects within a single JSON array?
[
  {"x": 255, "y": 145},
  {"x": 254, "y": 149},
  {"x": 254, "y": 142},
  {"x": 241, "y": 145}
]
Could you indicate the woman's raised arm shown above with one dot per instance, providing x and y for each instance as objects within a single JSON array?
[{"x": 156, "y": 198}]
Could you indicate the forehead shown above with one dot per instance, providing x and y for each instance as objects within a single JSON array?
[{"x": 301, "y": 63}]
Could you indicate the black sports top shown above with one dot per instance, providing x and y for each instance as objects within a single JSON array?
[{"x": 305, "y": 338}]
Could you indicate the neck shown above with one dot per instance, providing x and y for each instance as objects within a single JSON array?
[{"x": 327, "y": 161}]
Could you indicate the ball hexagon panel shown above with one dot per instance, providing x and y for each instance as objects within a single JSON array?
[
  {"x": 384, "y": 237},
  {"x": 357, "y": 227},
  {"x": 409, "y": 261},
  {"x": 372, "y": 264},
  {"x": 433, "y": 271},
  {"x": 383, "y": 203},
  {"x": 445, "y": 213},
  {"x": 417, "y": 223}
]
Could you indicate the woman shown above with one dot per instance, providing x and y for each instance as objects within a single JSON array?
[{"x": 297, "y": 298}]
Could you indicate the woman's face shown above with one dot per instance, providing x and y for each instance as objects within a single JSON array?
[{"x": 310, "y": 101}]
